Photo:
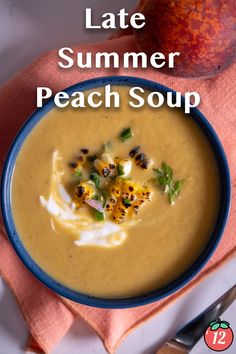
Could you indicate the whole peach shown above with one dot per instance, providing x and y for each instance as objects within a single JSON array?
[{"x": 203, "y": 31}]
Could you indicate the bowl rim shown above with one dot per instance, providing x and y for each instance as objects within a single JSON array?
[{"x": 128, "y": 302}]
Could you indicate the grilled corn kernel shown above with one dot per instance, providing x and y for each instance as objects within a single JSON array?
[
  {"x": 84, "y": 151},
  {"x": 145, "y": 193},
  {"x": 83, "y": 192},
  {"x": 107, "y": 159},
  {"x": 134, "y": 151},
  {"x": 120, "y": 212},
  {"x": 105, "y": 166},
  {"x": 78, "y": 164},
  {"x": 80, "y": 161},
  {"x": 143, "y": 196},
  {"x": 102, "y": 168},
  {"x": 143, "y": 161},
  {"x": 126, "y": 198},
  {"x": 110, "y": 204},
  {"x": 140, "y": 158},
  {"x": 130, "y": 189},
  {"x": 116, "y": 188}
]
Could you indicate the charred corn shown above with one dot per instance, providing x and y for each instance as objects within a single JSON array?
[
  {"x": 140, "y": 158},
  {"x": 105, "y": 166},
  {"x": 78, "y": 164},
  {"x": 143, "y": 195},
  {"x": 126, "y": 199},
  {"x": 83, "y": 192},
  {"x": 120, "y": 211},
  {"x": 111, "y": 202},
  {"x": 116, "y": 188}
]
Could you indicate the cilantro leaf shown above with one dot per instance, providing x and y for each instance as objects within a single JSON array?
[
  {"x": 164, "y": 175},
  {"x": 175, "y": 190},
  {"x": 95, "y": 178},
  {"x": 126, "y": 134},
  {"x": 120, "y": 170},
  {"x": 78, "y": 173}
]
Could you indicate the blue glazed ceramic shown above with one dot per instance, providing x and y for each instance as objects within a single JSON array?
[{"x": 160, "y": 293}]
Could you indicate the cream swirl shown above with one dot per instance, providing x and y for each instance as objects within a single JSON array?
[{"x": 66, "y": 217}]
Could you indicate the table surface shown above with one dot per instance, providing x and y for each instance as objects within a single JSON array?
[{"x": 27, "y": 29}]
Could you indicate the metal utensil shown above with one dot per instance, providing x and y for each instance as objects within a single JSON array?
[{"x": 185, "y": 339}]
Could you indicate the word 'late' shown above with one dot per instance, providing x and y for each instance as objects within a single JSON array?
[{"x": 112, "y": 21}]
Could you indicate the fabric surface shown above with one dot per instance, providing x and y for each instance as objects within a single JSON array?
[{"x": 48, "y": 315}]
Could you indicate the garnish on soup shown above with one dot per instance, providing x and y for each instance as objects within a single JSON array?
[
  {"x": 126, "y": 134},
  {"x": 164, "y": 176},
  {"x": 110, "y": 190},
  {"x": 95, "y": 178},
  {"x": 126, "y": 198},
  {"x": 140, "y": 158},
  {"x": 105, "y": 191},
  {"x": 91, "y": 158}
]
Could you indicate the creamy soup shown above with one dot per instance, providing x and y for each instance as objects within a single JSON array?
[{"x": 72, "y": 224}]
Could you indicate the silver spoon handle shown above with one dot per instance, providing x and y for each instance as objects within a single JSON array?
[{"x": 193, "y": 331}]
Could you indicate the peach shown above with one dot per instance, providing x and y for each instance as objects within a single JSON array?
[{"x": 203, "y": 31}]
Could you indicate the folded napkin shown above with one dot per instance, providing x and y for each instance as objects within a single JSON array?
[{"x": 48, "y": 315}]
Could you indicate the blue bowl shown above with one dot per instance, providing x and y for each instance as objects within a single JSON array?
[{"x": 160, "y": 293}]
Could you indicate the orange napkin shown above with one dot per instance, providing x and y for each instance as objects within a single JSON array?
[{"x": 49, "y": 316}]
